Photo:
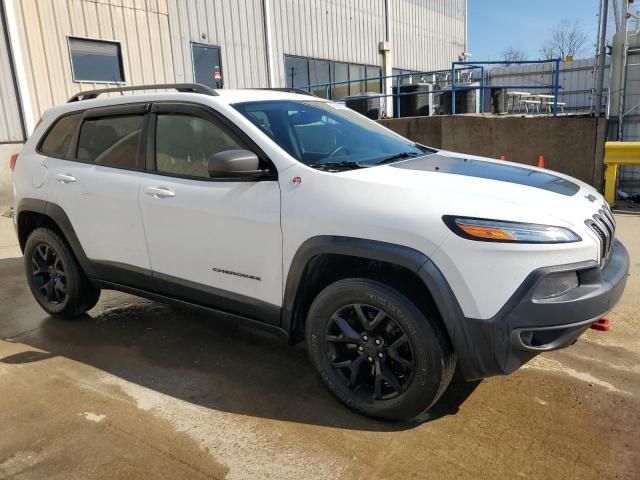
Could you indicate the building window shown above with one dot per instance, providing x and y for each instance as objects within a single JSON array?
[
  {"x": 319, "y": 73},
  {"x": 96, "y": 60},
  {"x": 296, "y": 71},
  {"x": 339, "y": 73},
  {"x": 207, "y": 67},
  {"x": 374, "y": 85},
  {"x": 300, "y": 72},
  {"x": 357, "y": 72}
]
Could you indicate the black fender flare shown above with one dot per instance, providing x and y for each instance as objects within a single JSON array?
[
  {"x": 58, "y": 215},
  {"x": 407, "y": 257}
]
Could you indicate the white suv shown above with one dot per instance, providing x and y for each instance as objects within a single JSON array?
[{"x": 394, "y": 261}]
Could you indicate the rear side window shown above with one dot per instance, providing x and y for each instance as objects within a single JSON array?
[
  {"x": 111, "y": 141},
  {"x": 184, "y": 144},
  {"x": 58, "y": 139}
]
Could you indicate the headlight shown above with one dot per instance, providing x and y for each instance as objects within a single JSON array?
[{"x": 487, "y": 230}]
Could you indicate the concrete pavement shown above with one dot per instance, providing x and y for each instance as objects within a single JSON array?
[{"x": 138, "y": 389}]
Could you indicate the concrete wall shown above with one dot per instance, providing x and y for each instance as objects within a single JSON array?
[{"x": 574, "y": 146}]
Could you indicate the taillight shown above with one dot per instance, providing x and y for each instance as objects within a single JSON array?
[{"x": 12, "y": 161}]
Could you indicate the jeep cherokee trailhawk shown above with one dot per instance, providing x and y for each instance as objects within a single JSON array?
[{"x": 394, "y": 261}]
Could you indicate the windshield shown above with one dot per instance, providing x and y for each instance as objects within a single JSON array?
[{"x": 328, "y": 134}]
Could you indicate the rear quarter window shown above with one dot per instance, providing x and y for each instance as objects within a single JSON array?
[{"x": 58, "y": 139}]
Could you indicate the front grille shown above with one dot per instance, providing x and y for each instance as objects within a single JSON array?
[{"x": 604, "y": 225}]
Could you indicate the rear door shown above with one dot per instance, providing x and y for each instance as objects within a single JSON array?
[
  {"x": 212, "y": 241},
  {"x": 97, "y": 187}
]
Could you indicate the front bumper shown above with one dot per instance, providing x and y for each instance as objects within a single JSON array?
[{"x": 526, "y": 326}]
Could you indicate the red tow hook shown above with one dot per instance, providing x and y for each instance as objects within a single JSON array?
[{"x": 602, "y": 325}]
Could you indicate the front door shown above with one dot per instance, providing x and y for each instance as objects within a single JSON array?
[{"x": 211, "y": 241}]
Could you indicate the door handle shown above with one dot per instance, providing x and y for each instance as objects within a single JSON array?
[
  {"x": 159, "y": 192},
  {"x": 65, "y": 178}
]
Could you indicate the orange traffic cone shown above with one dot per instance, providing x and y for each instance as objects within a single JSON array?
[
  {"x": 502, "y": 157},
  {"x": 541, "y": 161}
]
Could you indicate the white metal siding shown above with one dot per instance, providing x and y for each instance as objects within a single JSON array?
[
  {"x": 427, "y": 34},
  {"x": 10, "y": 126},
  {"x": 344, "y": 30},
  {"x": 156, "y": 38},
  {"x": 236, "y": 26},
  {"x": 142, "y": 27}
]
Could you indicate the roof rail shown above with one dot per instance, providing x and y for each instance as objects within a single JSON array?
[
  {"x": 181, "y": 87},
  {"x": 291, "y": 90}
]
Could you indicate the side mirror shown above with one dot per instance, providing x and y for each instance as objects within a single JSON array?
[{"x": 235, "y": 164}]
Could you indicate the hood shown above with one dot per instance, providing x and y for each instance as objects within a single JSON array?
[
  {"x": 501, "y": 172},
  {"x": 475, "y": 186}
]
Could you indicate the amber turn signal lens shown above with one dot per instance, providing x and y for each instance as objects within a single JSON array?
[{"x": 490, "y": 233}]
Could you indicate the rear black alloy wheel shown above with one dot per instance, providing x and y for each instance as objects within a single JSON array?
[
  {"x": 370, "y": 350},
  {"x": 55, "y": 278},
  {"x": 48, "y": 274},
  {"x": 376, "y": 350}
]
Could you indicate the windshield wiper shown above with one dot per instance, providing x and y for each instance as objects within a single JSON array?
[
  {"x": 337, "y": 165},
  {"x": 397, "y": 156}
]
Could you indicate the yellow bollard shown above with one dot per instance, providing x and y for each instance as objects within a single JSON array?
[
  {"x": 610, "y": 177},
  {"x": 616, "y": 154}
]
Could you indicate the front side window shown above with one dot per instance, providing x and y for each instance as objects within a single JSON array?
[
  {"x": 325, "y": 133},
  {"x": 96, "y": 60},
  {"x": 58, "y": 140},
  {"x": 184, "y": 144},
  {"x": 111, "y": 141}
]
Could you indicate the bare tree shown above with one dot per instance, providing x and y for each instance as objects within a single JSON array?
[
  {"x": 512, "y": 54},
  {"x": 567, "y": 39}
]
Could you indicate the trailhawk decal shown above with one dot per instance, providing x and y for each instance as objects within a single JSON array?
[
  {"x": 491, "y": 171},
  {"x": 236, "y": 274}
]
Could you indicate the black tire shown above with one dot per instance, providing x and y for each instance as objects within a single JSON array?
[
  {"x": 413, "y": 352},
  {"x": 56, "y": 280}
]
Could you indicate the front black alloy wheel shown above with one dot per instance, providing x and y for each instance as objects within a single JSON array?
[
  {"x": 55, "y": 278},
  {"x": 376, "y": 350},
  {"x": 371, "y": 351}
]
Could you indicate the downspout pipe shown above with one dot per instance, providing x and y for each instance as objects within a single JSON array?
[
  {"x": 623, "y": 77},
  {"x": 18, "y": 72},
  {"x": 602, "y": 57},
  {"x": 384, "y": 48},
  {"x": 268, "y": 41}
]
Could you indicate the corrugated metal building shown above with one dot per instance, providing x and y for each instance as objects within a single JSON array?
[{"x": 50, "y": 49}]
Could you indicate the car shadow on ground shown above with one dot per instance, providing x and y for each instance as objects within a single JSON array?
[{"x": 215, "y": 361}]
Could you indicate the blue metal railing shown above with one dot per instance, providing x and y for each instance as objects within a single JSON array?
[{"x": 456, "y": 86}]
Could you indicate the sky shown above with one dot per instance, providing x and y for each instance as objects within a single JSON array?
[{"x": 494, "y": 25}]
